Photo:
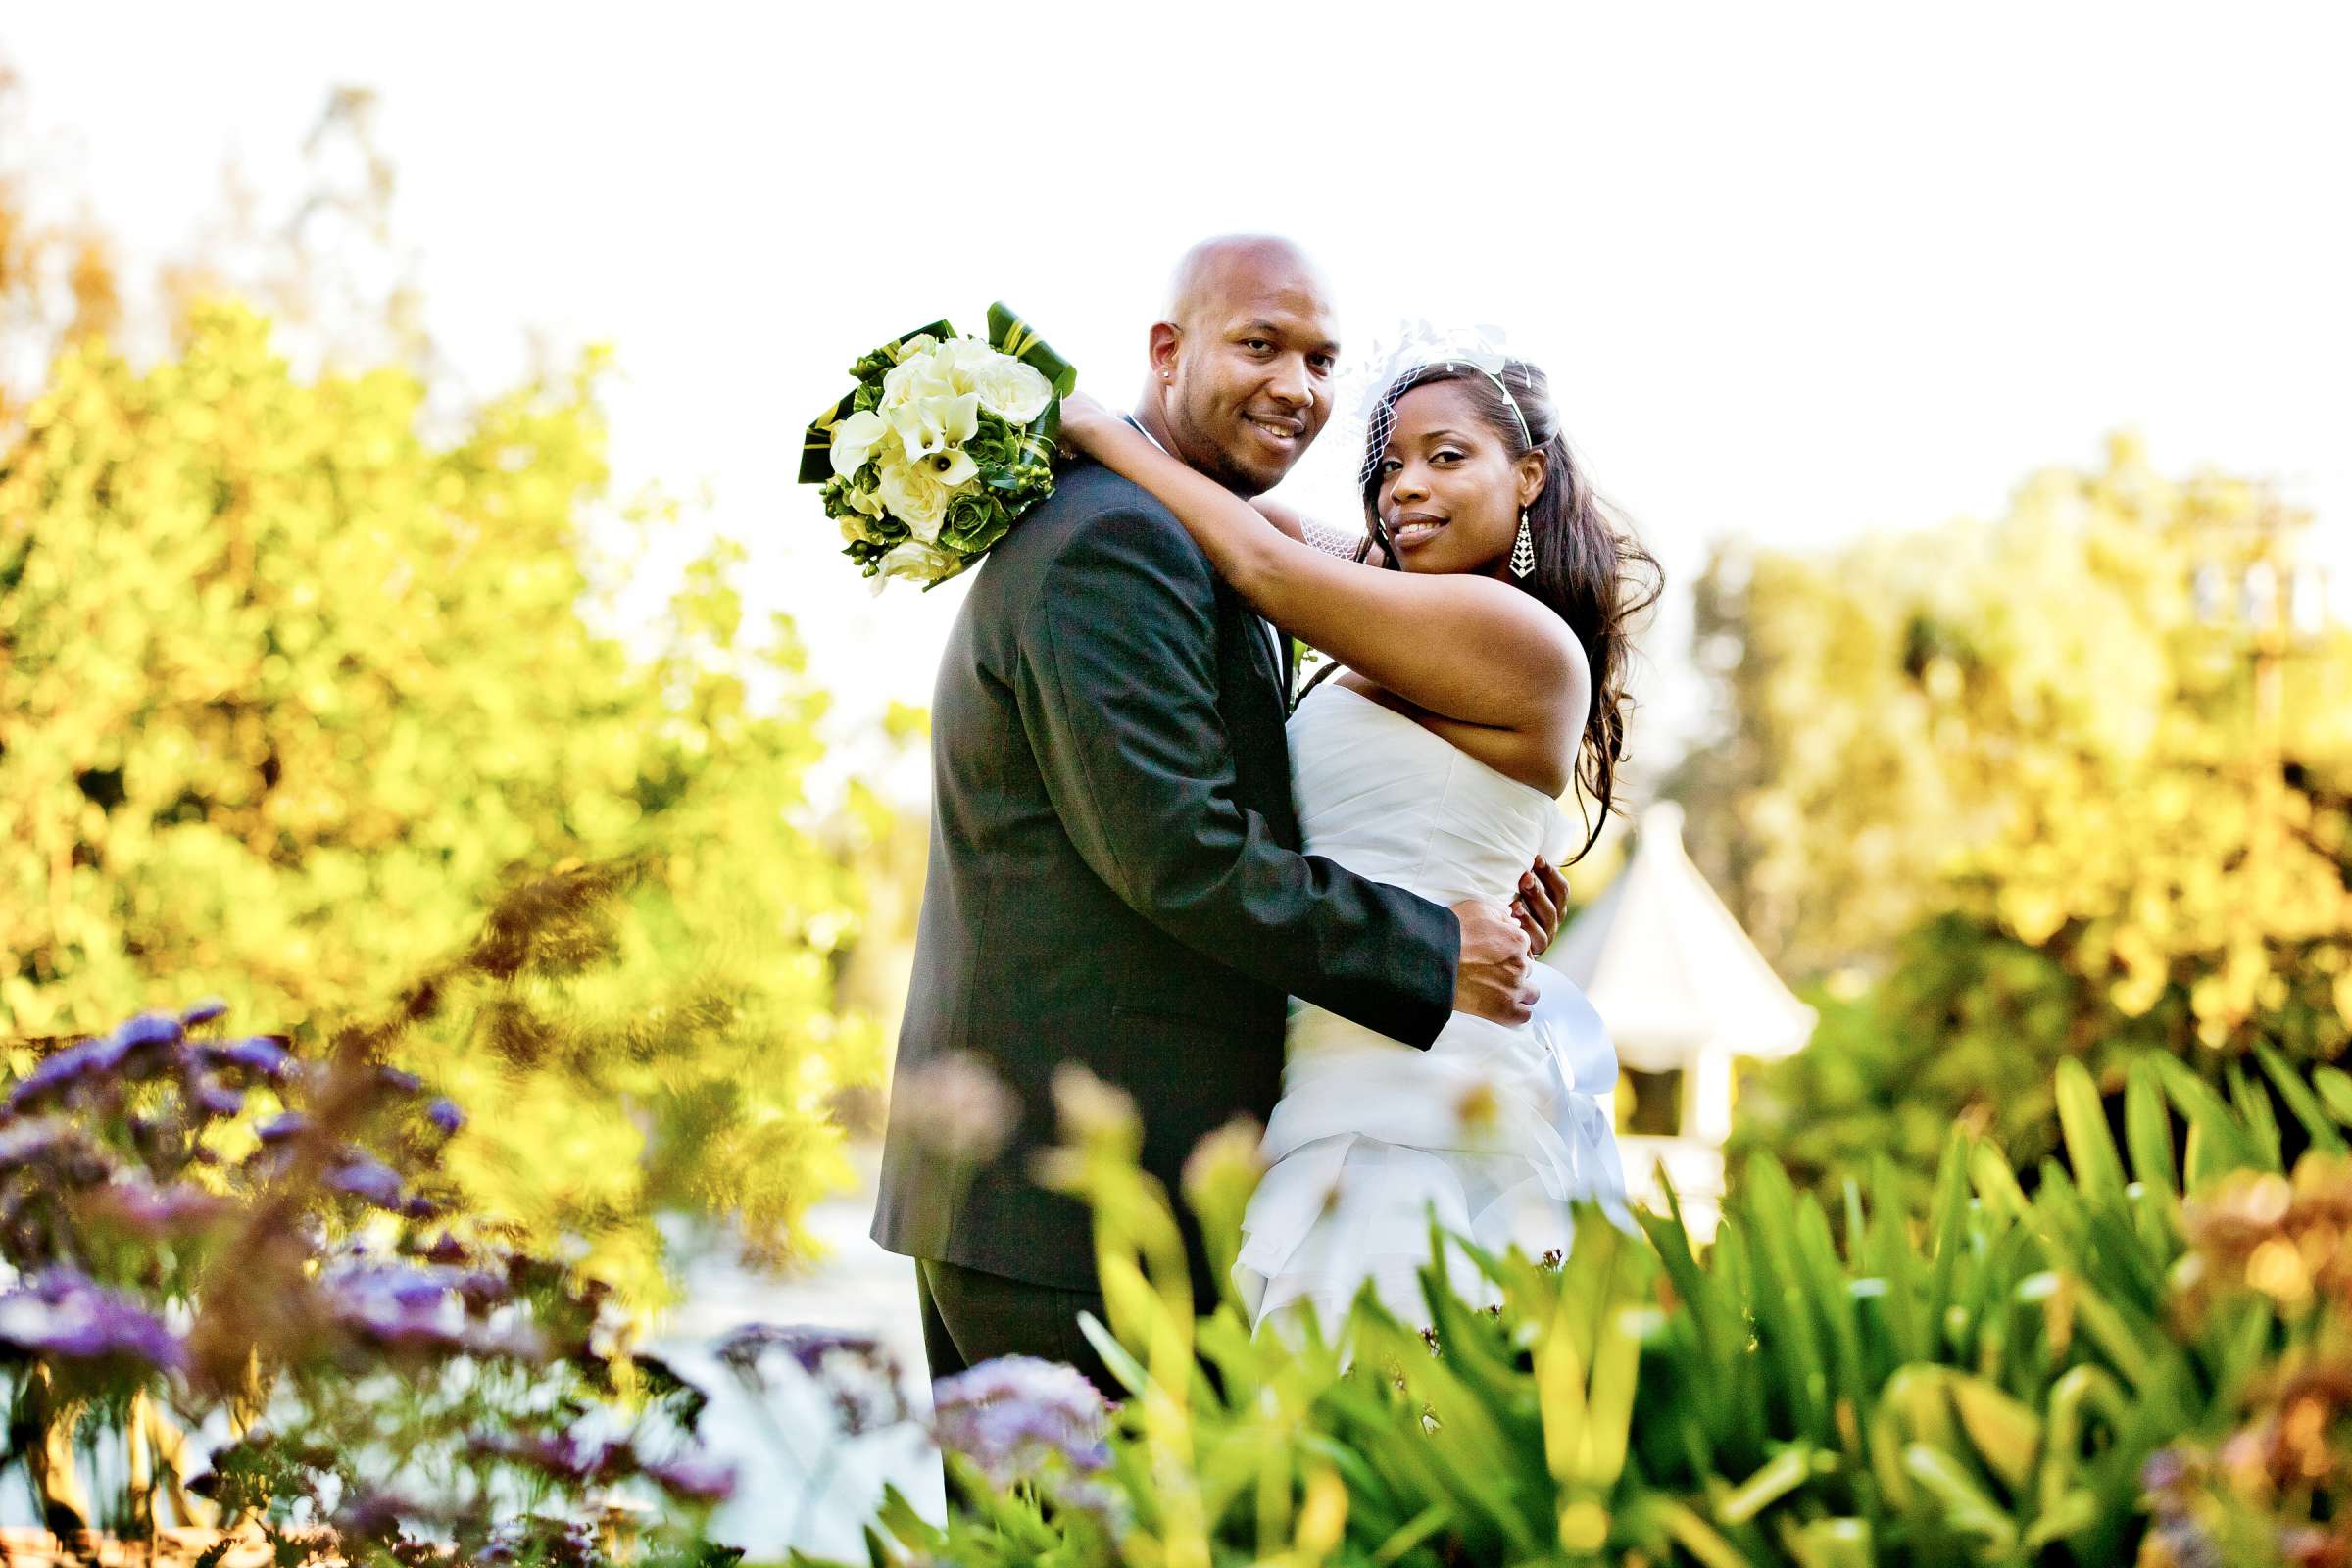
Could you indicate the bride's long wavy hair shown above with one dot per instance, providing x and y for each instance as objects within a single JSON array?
[{"x": 1590, "y": 569}]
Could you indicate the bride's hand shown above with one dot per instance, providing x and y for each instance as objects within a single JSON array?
[{"x": 1082, "y": 420}]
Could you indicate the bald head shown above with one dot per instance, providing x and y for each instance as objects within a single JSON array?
[
  {"x": 1216, "y": 267},
  {"x": 1241, "y": 359}
]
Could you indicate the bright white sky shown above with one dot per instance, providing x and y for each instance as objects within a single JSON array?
[{"x": 1796, "y": 272}]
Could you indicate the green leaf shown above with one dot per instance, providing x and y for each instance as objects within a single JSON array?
[
  {"x": 1894, "y": 1259},
  {"x": 2317, "y": 1123},
  {"x": 1780, "y": 1475},
  {"x": 2005, "y": 1433},
  {"x": 2217, "y": 1142},
  {"x": 1949, "y": 1227},
  {"x": 1833, "y": 1542},
  {"x": 1784, "y": 1299},
  {"x": 2090, "y": 1147},
  {"x": 1423, "y": 1525},
  {"x": 2148, "y": 1129},
  {"x": 1967, "y": 1506},
  {"x": 2335, "y": 1087},
  {"x": 1697, "y": 1538},
  {"x": 1013, "y": 335},
  {"x": 1996, "y": 1184},
  {"x": 2254, "y": 1111},
  {"x": 1115, "y": 1357}
]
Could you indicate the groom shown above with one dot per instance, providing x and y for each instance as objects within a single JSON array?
[{"x": 1114, "y": 874}]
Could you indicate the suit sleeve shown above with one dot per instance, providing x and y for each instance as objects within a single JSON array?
[{"x": 1117, "y": 685}]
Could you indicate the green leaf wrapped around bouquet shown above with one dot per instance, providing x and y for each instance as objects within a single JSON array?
[{"x": 940, "y": 447}]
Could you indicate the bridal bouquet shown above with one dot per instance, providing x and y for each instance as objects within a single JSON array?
[{"x": 941, "y": 446}]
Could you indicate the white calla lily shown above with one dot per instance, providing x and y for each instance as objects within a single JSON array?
[
  {"x": 951, "y": 466},
  {"x": 854, "y": 440},
  {"x": 928, "y": 424}
]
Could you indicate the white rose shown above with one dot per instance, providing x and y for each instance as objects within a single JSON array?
[
  {"x": 913, "y": 379},
  {"x": 855, "y": 439},
  {"x": 916, "y": 346},
  {"x": 959, "y": 362},
  {"x": 913, "y": 496},
  {"x": 1012, "y": 391},
  {"x": 917, "y": 563}
]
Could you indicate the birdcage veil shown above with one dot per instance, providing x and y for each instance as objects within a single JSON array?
[{"x": 1364, "y": 405}]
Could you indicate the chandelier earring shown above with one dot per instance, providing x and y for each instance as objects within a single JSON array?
[{"x": 1523, "y": 552}]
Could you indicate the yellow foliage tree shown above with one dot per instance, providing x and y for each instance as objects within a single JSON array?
[
  {"x": 2099, "y": 746},
  {"x": 290, "y": 692}
]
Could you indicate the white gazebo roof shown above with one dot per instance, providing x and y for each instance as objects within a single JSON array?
[{"x": 1668, "y": 968}]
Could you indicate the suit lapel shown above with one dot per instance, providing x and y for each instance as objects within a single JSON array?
[
  {"x": 1262, "y": 634},
  {"x": 1262, "y": 648}
]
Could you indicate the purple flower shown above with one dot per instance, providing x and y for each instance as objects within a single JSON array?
[
  {"x": 2186, "y": 1542},
  {"x": 266, "y": 1054},
  {"x": 423, "y": 1309},
  {"x": 857, "y": 1370},
  {"x": 2165, "y": 1471},
  {"x": 696, "y": 1478},
  {"x": 447, "y": 1248},
  {"x": 409, "y": 1287},
  {"x": 561, "y": 1456},
  {"x": 1017, "y": 1417},
  {"x": 35, "y": 1139},
  {"x": 552, "y": 1543},
  {"x": 375, "y": 1515},
  {"x": 956, "y": 1107},
  {"x": 445, "y": 1115},
  {"x": 808, "y": 1343},
  {"x": 282, "y": 1126},
  {"x": 147, "y": 1029},
  {"x": 139, "y": 1205},
  {"x": 215, "y": 1097},
  {"x": 365, "y": 1176},
  {"x": 131, "y": 1048},
  {"x": 203, "y": 1012},
  {"x": 61, "y": 1314}
]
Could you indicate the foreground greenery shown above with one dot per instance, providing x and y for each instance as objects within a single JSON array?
[{"x": 2148, "y": 1356}]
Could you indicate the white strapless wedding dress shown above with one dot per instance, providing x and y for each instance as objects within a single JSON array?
[{"x": 1495, "y": 1129}]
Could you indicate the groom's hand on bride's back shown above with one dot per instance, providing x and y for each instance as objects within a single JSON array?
[{"x": 1493, "y": 979}]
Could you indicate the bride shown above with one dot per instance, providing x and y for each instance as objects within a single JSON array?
[{"x": 1481, "y": 679}]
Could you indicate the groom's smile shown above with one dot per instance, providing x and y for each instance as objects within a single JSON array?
[{"x": 1285, "y": 435}]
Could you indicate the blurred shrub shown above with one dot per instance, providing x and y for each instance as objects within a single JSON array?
[
  {"x": 290, "y": 690},
  {"x": 2074, "y": 783}
]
